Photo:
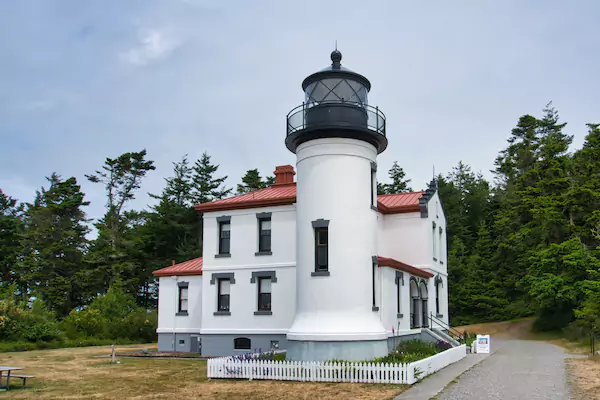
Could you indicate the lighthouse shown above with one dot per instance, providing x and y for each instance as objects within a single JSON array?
[{"x": 336, "y": 136}]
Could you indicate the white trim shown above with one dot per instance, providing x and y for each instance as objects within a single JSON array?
[
  {"x": 178, "y": 330},
  {"x": 217, "y": 331},
  {"x": 251, "y": 266},
  {"x": 338, "y": 337}
]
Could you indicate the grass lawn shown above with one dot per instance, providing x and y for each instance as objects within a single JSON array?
[{"x": 76, "y": 374}]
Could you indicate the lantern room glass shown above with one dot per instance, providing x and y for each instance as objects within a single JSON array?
[{"x": 336, "y": 90}]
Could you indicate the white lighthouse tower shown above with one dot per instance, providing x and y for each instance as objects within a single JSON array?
[{"x": 336, "y": 137}]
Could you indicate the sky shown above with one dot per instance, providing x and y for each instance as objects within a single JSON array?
[{"x": 83, "y": 81}]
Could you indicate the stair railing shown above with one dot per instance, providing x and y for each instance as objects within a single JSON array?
[{"x": 452, "y": 332}]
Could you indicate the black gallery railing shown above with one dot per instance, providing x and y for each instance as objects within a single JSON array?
[{"x": 336, "y": 114}]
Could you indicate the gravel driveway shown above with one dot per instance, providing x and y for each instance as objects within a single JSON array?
[{"x": 518, "y": 369}]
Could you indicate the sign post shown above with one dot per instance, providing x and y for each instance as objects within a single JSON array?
[{"x": 483, "y": 344}]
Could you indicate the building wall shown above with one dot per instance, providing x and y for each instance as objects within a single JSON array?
[
  {"x": 242, "y": 263},
  {"x": 223, "y": 345},
  {"x": 405, "y": 237},
  {"x": 168, "y": 301},
  {"x": 389, "y": 309},
  {"x": 334, "y": 178}
]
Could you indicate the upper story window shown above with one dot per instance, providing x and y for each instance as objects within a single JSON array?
[
  {"x": 264, "y": 233},
  {"x": 182, "y": 303},
  {"x": 440, "y": 244},
  {"x": 321, "y": 249},
  {"x": 434, "y": 239},
  {"x": 224, "y": 237},
  {"x": 321, "y": 230},
  {"x": 373, "y": 185},
  {"x": 223, "y": 294}
]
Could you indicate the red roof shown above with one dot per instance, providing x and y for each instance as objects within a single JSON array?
[
  {"x": 390, "y": 262},
  {"x": 283, "y": 194},
  {"x": 190, "y": 267}
]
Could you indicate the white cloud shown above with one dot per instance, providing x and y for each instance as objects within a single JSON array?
[{"x": 153, "y": 45}]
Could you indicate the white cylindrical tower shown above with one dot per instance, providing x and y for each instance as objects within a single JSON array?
[{"x": 336, "y": 136}]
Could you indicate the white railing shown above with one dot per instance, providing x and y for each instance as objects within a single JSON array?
[{"x": 311, "y": 371}]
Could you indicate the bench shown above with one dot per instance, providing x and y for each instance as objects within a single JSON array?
[{"x": 23, "y": 377}]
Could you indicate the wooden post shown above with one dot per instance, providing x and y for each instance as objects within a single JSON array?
[{"x": 112, "y": 356}]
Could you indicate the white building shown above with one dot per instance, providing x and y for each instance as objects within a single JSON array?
[{"x": 322, "y": 267}]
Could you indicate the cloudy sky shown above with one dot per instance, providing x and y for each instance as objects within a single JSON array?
[{"x": 84, "y": 80}]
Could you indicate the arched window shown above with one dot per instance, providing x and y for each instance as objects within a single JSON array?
[
  {"x": 414, "y": 304},
  {"x": 241, "y": 343},
  {"x": 424, "y": 309}
]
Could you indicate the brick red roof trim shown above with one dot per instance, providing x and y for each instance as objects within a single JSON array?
[
  {"x": 285, "y": 194},
  {"x": 390, "y": 262},
  {"x": 186, "y": 268}
]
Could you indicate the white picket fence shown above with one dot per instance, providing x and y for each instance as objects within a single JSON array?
[{"x": 311, "y": 371}]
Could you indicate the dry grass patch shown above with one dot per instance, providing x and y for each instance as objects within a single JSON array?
[
  {"x": 585, "y": 375},
  {"x": 77, "y": 374}
]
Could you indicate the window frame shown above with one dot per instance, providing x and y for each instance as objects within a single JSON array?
[
  {"x": 320, "y": 226},
  {"x": 265, "y": 307},
  {"x": 216, "y": 278},
  {"x": 220, "y": 295},
  {"x": 374, "y": 265},
  {"x": 374, "y": 186},
  {"x": 221, "y": 222},
  {"x": 180, "y": 287},
  {"x": 236, "y": 343},
  {"x": 399, "y": 282},
  {"x": 257, "y": 276},
  {"x": 262, "y": 218},
  {"x": 433, "y": 238}
]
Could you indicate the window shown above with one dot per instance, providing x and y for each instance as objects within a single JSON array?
[
  {"x": 374, "y": 268},
  {"x": 373, "y": 185},
  {"x": 433, "y": 238},
  {"x": 321, "y": 253},
  {"x": 264, "y": 294},
  {"x": 274, "y": 344},
  {"x": 264, "y": 235},
  {"x": 399, "y": 282},
  {"x": 321, "y": 227},
  {"x": 181, "y": 342},
  {"x": 241, "y": 343},
  {"x": 224, "y": 237},
  {"x": 223, "y": 294},
  {"x": 440, "y": 245},
  {"x": 438, "y": 282},
  {"x": 183, "y": 299}
]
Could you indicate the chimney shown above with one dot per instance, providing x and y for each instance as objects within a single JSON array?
[
  {"x": 284, "y": 174},
  {"x": 173, "y": 262}
]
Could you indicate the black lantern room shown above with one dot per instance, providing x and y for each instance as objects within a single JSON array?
[{"x": 336, "y": 106}]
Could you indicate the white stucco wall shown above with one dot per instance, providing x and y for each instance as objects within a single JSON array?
[
  {"x": 168, "y": 301},
  {"x": 334, "y": 178},
  {"x": 243, "y": 261}
]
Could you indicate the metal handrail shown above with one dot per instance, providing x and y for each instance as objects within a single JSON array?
[
  {"x": 296, "y": 118},
  {"x": 459, "y": 336}
]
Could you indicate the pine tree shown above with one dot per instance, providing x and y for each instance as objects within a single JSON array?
[
  {"x": 252, "y": 181},
  {"x": 399, "y": 183},
  {"x": 54, "y": 241},
  {"x": 11, "y": 228},
  {"x": 205, "y": 187}
]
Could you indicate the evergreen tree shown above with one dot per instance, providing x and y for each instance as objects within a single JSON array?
[
  {"x": 54, "y": 241},
  {"x": 11, "y": 226},
  {"x": 252, "y": 181},
  {"x": 114, "y": 255},
  {"x": 205, "y": 187},
  {"x": 399, "y": 183}
]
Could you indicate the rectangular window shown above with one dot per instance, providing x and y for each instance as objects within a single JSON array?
[
  {"x": 433, "y": 238},
  {"x": 321, "y": 249},
  {"x": 373, "y": 185},
  {"x": 264, "y": 235},
  {"x": 264, "y": 294},
  {"x": 223, "y": 294},
  {"x": 440, "y": 245},
  {"x": 374, "y": 266},
  {"x": 398, "y": 282},
  {"x": 224, "y": 237},
  {"x": 183, "y": 299}
]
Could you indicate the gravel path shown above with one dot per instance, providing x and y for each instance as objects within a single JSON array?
[{"x": 518, "y": 369}]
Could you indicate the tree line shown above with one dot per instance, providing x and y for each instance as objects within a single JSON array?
[{"x": 525, "y": 244}]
